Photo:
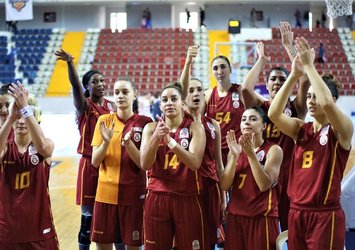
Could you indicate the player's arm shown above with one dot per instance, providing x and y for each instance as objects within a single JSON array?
[
  {"x": 227, "y": 177},
  {"x": 149, "y": 146},
  {"x": 6, "y": 127},
  {"x": 287, "y": 39},
  {"x": 266, "y": 176},
  {"x": 101, "y": 140},
  {"x": 79, "y": 98},
  {"x": 287, "y": 125},
  {"x": 43, "y": 145},
  {"x": 340, "y": 122},
  {"x": 192, "y": 52},
  {"x": 192, "y": 157},
  {"x": 248, "y": 95},
  {"x": 219, "y": 162}
]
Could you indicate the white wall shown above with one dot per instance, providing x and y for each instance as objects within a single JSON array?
[{"x": 75, "y": 17}]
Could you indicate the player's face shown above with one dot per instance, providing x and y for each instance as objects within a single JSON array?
[
  {"x": 171, "y": 103},
  {"x": 276, "y": 79},
  {"x": 20, "y": 127},
  {"x": 313, "y": 108},
  {"x": 195, "y": 97},
  {"x": 4, "y": 107},
  {"x": 251, "y": 122},
  {"x": 97, "y": 85},
  {"x": 123, "y": 94},
  {"x": 221, "y": 70}
]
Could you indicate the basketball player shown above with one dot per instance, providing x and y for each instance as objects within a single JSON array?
[
  {"x": 25, "y": 212},
  {"x": 316, "y": 220},
  {"x": 89, "y": 106},
  {"x": 172, "y": 150}
]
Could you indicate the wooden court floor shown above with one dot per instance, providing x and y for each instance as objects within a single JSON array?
[{"x": 66, "y": 213}]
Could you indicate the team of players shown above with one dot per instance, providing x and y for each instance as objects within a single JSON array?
[{"x": 185, "y": 153}]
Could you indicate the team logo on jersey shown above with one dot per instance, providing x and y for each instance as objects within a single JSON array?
[
  {"x": 196, "y": 245},
  {"x": 184, "y": 133},
  {"x": 135, "y": 235},
  {"x": 260, "y": 155},
  {"x": 236, "y": 104},
  {"x": 323, "y": 140},
  {"x": 34, "y": 159},
  {"x": 210, "y": 126},
  {"x": 32, "y": 149},
  {"x": 138, "y": 129},
  {"x": 288, "y": 112},
  {"x": 213, "y": 134},
  {"x": 137, "y": 137},
  {"x": 184, "y": 143},
  {"x": 235, "y": 96}
]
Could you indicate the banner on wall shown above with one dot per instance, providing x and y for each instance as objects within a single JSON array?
[{"x": 19, "y": 10}]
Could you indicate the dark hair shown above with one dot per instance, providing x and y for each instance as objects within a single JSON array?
[
  {"x": 224, "y": 58},
  {"x": 175, "y": 85},
  {"x": 127, "y": 79},
  {"x": 86, "y": 79},
  {"x": 278, "y": 68},
  {"x": 332, "y": 83},
  {"x": 4, "y": 88},
  {"x": 260, "y": 112}
]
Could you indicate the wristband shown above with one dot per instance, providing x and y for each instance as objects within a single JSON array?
[
  {"x": 172, "y": 143},
  {"x": 26, "y": 111}
]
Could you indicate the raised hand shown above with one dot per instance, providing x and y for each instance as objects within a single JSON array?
[
  {"x": 306, "y": 54},
  {"x": 64, "y": 56},
  {"x": 247, "y": 143},
  {"x": 261, "y": 52},
  {"x": 234, "y": 148},
  {"x": 286, "y": 33},
  {"x": 106, "y": 132},
  {"x": 192, "y": 52},
  {"x": 162, "y": 131},
  {"x": 19, "y": 93}
]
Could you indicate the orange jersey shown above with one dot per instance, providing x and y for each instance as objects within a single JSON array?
[{"x": 121, "y": 181}]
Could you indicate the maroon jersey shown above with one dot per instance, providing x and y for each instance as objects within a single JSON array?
[
  {"x": 287, "y": 144},
  {"x": 246, "y": 198},
  {"x": 132, "y": 182},
  {"x": 25, "y": 210},
  {"x": 168, "y": 174},
  {"x": 227, "y": 111},
  {"x": 318, "y": 166},
  {"x": 209, "y": 168},
  {"x": 87, "y": 122}
]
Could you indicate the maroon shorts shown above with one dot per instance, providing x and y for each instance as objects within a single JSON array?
[
  {"x": 316, "y": 230},
  {"x": 244, "y": 233},
  {"x": 284, "y": 208},
  {"x": 212, "y": 203},
  {"x": 86, "y": 182},
  {"x": 117, "y": 224},
  {"x": 169, "y": 215},
  {"x": 48, "y": 244}
]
